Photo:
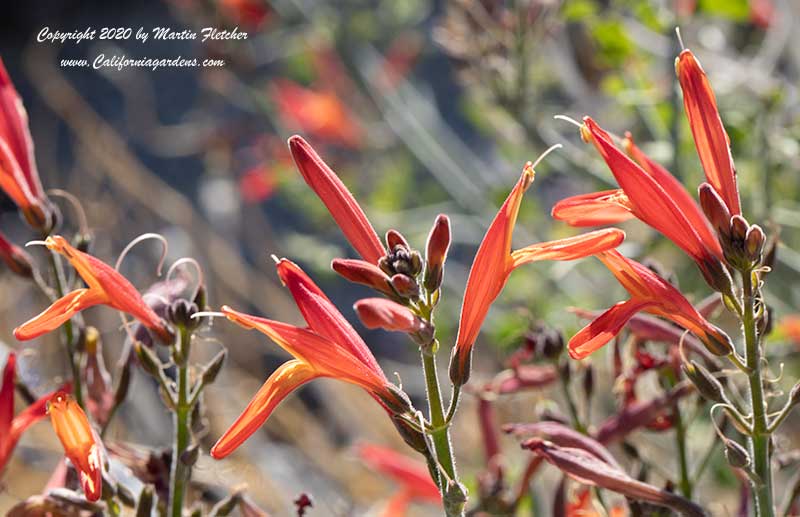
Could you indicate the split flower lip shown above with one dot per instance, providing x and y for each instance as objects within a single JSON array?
[
  {"x": 18, "y": 174},
  {"x": 329, "y": 347},
  {"x": 12, "y": 427},
  {"x": 650, "y": 193},
  {"x": 337, "y": 198},
  {"x": 495, "y": 261},
  {"x": 413, "y": 477},
  {"x": 711, "y": 140},
  {"x": 106, "y": 286},
  {"x": 649, "y": 293},
  {"x": 80, "y": 441}
]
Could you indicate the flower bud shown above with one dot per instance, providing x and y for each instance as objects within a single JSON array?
[
  {"x": 126, "y": 496},
  {"x": 715, "y": 209},
  {"x": 794, "y": 394},
  {"x": 717, "y": 342},
  {"x": 401, "y": 259},
  {"x": 415, "y": 439},
  {"x": 190, "y": 455},
  {"x": 364, "y": 273},
  {"x": 386, "y": 314},
  {"x": 436, "y": 252},
  {"x": 460, "y": 365},
  {"x": 405, "y": 286},
  {"x": 394, "y": 239},
  {"x": 588, "y": 382},
  {"x": 148, "y": 359},
  {"x": 739, "y": 227},
  {"x": 213, "y": 368},
  {"x": 123, "y": 383},
  {"x": 736, "y": 455},
  {"x": 707, "y": 385},
  {"x": 396, "y": 400},
  {"x": 180, "y": 313},
  {"x": 15, "y": 258},
  {"x": 754, "y": 243}
]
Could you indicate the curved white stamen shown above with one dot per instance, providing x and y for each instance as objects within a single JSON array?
[
  {"x": 199, "y": 270},
  {"x": 568, "y": 119},
  {"x": 83, "y": 222},
  {"x": 35, "y": 243},
  {"x": 680, "y": 39},
  {"x": 209, "y": 314},
  {"x": 137, "y": 240},
  {"x": 275, "y": 258},
  {"x": 544, "y": 154}
]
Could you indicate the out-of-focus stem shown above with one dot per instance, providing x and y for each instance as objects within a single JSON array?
[
  {"x": 183, "y": 410},
  {"x": 760, "y": 436}
]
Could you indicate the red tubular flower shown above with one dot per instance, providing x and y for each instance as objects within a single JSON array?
[
  {"x": 15, "y": 258},
  {"x": 319, "y": 113},
  {"x": 19, "y": 177},
  {"x": 413, "y": 477},
  {"x": 650, "y": 293},
  {"x": 340, "y": 202},
  {"x": 651, "y": 194},
  {"x": 81, "y": 444},
  {"x": 106, "y": 287},
  {"x": 495, "y": 261},
  {"x": 12, "y": 427},
  {"x": 710, "y": 138},
  {"x": 386, "y": 314},
  {"x": 329, "y": 347}
]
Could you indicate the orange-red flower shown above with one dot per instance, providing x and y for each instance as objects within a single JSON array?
[
  {"x": 340, "y": 202},
  {"x": 649, "y": 293},
  {"x": 789, "y": 327},
  {"x": 413, "y": 477},
  {"x": 649, "y": 193},
  {"x": 317, "y": 112},
  {"x": 710, "y": 138},
  {"x": 582, "y": 505},
  {"x": 80, "y": 441},
  {"x": 12, "y": 427},
  {"x": 106, "y": 286},
  {"x": 19, "y": 177},
  {"x": 329, "y": 347},
  {"x": 495, "y": 261}
]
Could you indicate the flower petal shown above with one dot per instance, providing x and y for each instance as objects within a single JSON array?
[
  {"x": 326, "y": 357},
  {"x": 594, "y": 209},
  {"x": 651, "y": 203},
  {"x": 7, "y": 395},
  {"x": 603, "y": 328},
  {"x": 14, "y": 130},
  {"x": 710, "y": 138},
  {"x": 80, "y": 442},
  {"x": 678, "y": 193},
  {"x": 322, "y": 315},
  {"x": 570, "y": 248},
  {"x": 60, "y": 311},
  {"x": 412, "y": 475},
  {"x": 340, "y": 202},
  {"x": 489, "y": 270},
  {"x": 287, "y": 378}
]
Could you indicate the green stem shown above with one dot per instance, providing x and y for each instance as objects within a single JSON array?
[
  {"x": 680, "y": 440},
  {"x": 440, "y": 433},
  {"x": 759, "y": 439},
  {"x": 573, "y": 408},
  {"x": 72, "y": 356},
  {"x": 179, "y": 475}
]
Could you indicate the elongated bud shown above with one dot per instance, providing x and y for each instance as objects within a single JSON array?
[
  {"x": 98, "y": 380},
  {"x": 364, "y": 273},
  {"x": 794, "y": 395},
  {"x": 715, "y": 209},
  {"x": 707, "y": 385},
  {"x": 717, "y": 342},
  {"x": 588, "y": 382},
  {"x": 405, "y": 286},
  {"x": 148, "y": 359},
  {"x": 145, "y": 506},
  {"x": 213, "y": 367},
  {"x": 125, "y": 495},
  {"x": 736, "y": 455},
  {"x": 190, "y": 455},
  {"x": 386, "y": 314},
  {"x": 436, "y": 252},
  {"x": 739, "y": 227},
  {"x": 123, "y": 383},
  {"x": 460, "y": 365},
  {"x": 15, "y": 258},
  {"x": 413, "y": 437},
  {"x": 754, "y": 243},
  {"x": 396, "y": 400},
  {"x": 395, "y": 238}
]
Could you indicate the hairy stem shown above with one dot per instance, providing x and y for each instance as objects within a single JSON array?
[
  {"x": 69, "y": 341},
  {"x": 179, "y": 475},
  {"x": 759, "y": 438}
]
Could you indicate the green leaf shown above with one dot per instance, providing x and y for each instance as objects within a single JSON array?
[{"x": 736, "y": 10}]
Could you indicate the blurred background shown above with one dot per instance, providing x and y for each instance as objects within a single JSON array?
[{"x": 422, "y": 107}]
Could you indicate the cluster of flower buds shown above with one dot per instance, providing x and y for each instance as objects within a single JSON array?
[
  {"x": 742, "y": 243},
  {"x": 403, "y": 265}
]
